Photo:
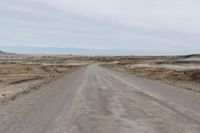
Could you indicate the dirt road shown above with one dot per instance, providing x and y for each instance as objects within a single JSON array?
[{"x": 99, "y": 100}]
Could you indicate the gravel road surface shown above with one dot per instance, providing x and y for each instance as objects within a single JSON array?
[{"x": 99, "y": 100}]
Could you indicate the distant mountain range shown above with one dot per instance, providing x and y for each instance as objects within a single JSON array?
[
  {"x": 52, "y": 51},
  {"x": 1, "y": 52},
  {"x": 6, "y": 53}
]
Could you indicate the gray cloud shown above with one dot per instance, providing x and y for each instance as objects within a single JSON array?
[{"x": 154, "y": 26}]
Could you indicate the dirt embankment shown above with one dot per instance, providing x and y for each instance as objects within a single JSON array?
[
  {"x": 183, "y": 71},
  {"x": 21, "y": 74}
]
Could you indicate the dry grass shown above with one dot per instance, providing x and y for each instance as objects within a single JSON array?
[
  {"x": 20, "y": 73},
  {"x": 183, "y": 71},
  {"x": 10, "y": 73}
]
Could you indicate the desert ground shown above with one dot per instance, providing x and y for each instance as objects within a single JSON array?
[
  {"x": 22, "y": 73},
  {"x": 182, "y": 71},
  {"x": 99, "y": 94}
]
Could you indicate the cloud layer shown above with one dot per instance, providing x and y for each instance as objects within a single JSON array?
[{"x": 154, "y": 26}]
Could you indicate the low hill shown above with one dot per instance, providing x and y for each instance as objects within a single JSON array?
[
  {"x": 2, "y": 52},
  {"x": 6, "y": 53}
]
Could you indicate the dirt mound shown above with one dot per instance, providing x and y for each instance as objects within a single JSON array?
[
  {"x": 167, "y": 74},
  {"x": 192, "y": 55}
]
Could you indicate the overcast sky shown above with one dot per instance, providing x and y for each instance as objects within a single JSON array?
[{"x": 144, "y": 26}]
